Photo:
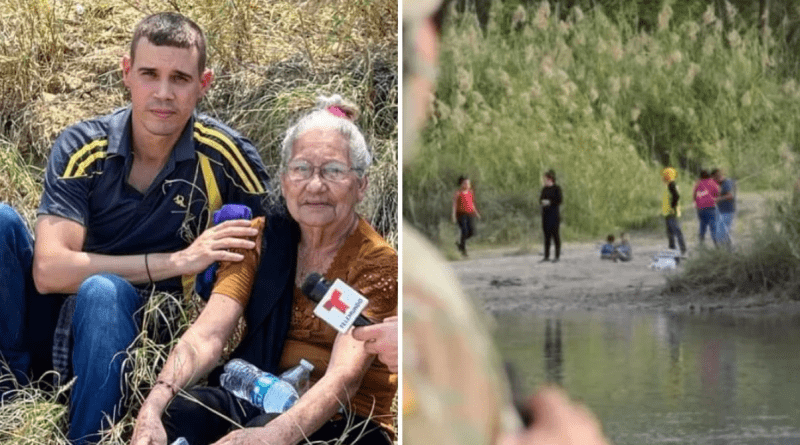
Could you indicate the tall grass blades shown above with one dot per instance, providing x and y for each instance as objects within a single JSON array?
[
  {"x": 770, "y": 265},
  {"x": 605, "y": 102},
  {"x": 33, "y": 414}
]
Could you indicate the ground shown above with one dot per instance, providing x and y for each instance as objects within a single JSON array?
[{"x": 501, "y": 280}]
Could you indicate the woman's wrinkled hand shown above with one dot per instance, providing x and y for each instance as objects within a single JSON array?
[{"x": 148, "y": 429}]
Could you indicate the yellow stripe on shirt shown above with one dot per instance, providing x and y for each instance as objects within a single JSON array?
[
  {"x": 83, "y": 165},
  {"x": 73, "y": 170},
  {"x": 232, "y": 153}
]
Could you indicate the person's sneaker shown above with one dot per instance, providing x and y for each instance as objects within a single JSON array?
[{"x": 544, "y": 260}]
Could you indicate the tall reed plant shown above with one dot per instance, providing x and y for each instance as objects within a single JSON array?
[
  {"x": 769, "y": 265},
  {"x": 605, "y": 105}
]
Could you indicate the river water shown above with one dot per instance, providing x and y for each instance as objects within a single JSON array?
[{"x": 658, "y": 377}]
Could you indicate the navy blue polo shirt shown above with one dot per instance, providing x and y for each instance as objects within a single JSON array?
[{"x": 86, "y": 181}]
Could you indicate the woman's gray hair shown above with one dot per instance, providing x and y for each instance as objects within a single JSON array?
[{"x": 331, "y": 113}]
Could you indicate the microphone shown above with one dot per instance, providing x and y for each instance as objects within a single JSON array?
[{"x": 338, "y": 304}]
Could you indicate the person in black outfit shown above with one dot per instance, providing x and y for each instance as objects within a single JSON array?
[{"x": 550, "y": 200}]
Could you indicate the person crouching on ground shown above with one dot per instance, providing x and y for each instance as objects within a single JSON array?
[
  {"x": 622, "y": 251},
  {"x": 464, "y": 212},
  {"x": 324, "y": 158},
  {"x": 607, "y": 249},
  {"x": 117, "y": 223}
]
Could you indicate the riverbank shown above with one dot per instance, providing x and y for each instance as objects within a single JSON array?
[{"x": 502, "y": 281}]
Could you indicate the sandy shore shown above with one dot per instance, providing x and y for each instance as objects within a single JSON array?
[{"x": 502, "y": 281}]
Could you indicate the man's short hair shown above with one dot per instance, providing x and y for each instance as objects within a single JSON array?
[{"x": 171, "y": 29}]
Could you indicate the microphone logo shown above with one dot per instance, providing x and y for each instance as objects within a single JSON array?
[
  {"x": 336, "y": 302},
  {"x": 339, "y": 305}
]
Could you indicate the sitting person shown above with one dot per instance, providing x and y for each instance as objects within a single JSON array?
[
  {"x": 622, "y": 251},
  {"x": 607, "y": 249},
  {"x": 122, "y": 215},
  {"x": 324, "y": 159}
]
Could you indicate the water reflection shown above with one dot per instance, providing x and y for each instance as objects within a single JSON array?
[
  {"x": 666, "y": 377},
  {"x": 553, "y": 359}
]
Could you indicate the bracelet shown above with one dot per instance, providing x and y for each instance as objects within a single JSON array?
[
  {"x": 147, "y": 267},
  {"x": 170, "y": 386}
]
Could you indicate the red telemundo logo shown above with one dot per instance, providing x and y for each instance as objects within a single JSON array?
[{"x": 336, "y": 302}]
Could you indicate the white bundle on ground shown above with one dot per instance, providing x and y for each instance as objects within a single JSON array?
[{"x": 666, "y": 260}]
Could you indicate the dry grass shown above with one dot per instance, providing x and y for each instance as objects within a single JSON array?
[
  {"x": 32, "y": 414},
  {"x": 59, "y": 63},
  {"x": 769, "y": 265}
]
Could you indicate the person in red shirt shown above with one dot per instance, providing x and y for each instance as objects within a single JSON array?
[
  {"x": 464, "y": 212},
  {"x": 705, "y": 196}
]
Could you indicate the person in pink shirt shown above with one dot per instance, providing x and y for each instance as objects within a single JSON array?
[
  {"x": 464, "y": 212},
  {"x": 705, "y": 196}
]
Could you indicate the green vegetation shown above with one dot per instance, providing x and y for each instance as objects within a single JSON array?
[
  {"x": 606, "y": 102},
  {"x": 770, "y": 265},
  {"x": 59, "y": 63}
]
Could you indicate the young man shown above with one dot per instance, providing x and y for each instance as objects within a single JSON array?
[
  {"x": 127, "y": 197},
  {"x": 671, "y": 210},
  {"x": 454, "y": 387}
]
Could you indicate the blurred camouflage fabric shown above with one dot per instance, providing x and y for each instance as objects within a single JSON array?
[{"x": 454, "y": 389}]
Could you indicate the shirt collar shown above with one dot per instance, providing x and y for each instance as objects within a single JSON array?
[{"x": 119, "y": 136}]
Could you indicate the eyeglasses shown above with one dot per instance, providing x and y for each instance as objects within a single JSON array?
[{"x": 332, "y": 171}]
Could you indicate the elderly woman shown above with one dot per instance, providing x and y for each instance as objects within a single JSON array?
[{"x": 322, "y": 178}]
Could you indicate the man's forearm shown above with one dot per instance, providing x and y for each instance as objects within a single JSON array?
[{"x": 65, "y": 272}]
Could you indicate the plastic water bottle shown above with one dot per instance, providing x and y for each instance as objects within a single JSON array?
[
  {"x": 260, "y": 388},
  {"x": 180, "y": 441},
  {"x": 298, "y": 376}
]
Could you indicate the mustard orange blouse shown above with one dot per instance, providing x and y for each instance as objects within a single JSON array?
[{"x": 367, "y": 263}]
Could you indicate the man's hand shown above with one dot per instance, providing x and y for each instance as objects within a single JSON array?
[
  {"x": 213, "y": 244},
  {"x": 558, "y": 421},
  {"x": 148, "y": 429},
  {"x": 380, "y": 339}
]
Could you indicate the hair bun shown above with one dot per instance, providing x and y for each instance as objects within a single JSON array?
[{"x": 338, "y": 107}]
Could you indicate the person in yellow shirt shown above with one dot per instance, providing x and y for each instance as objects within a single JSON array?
[{"x": 671, "y": 210}]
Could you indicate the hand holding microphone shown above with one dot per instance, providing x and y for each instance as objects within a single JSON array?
[
  {"x": 381, "y": 339},
  {"x": 335, "y": 302}
]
